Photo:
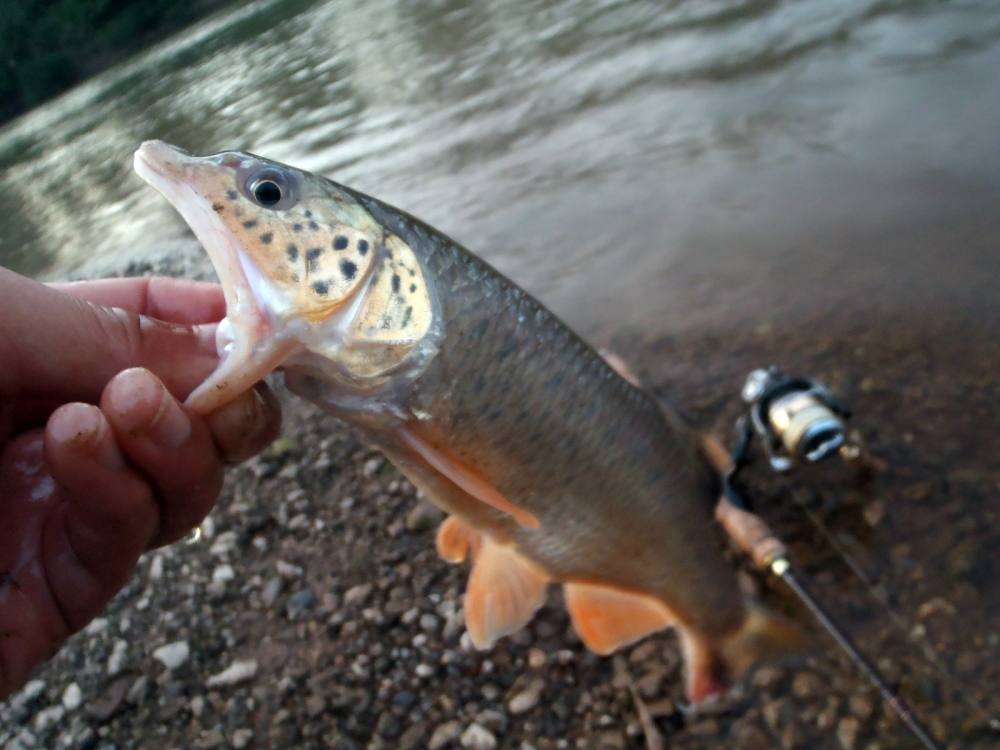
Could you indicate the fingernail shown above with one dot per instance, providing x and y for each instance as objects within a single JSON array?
[
  {"x": 84, "y": 428},
  {"x": 143, "y": 406}
]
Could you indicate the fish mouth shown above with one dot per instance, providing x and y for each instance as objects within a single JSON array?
[{"x": 248, "y": 347}]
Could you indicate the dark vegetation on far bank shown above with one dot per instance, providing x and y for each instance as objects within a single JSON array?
[{"x": 48, "y": 46}]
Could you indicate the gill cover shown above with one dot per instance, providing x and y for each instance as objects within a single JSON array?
[{"x": 309, "y": 277}]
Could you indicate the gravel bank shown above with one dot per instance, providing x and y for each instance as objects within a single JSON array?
[{"x": 313, "y": 613}]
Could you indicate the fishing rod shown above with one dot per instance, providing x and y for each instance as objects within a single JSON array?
[{"x": 796, "y": 420}]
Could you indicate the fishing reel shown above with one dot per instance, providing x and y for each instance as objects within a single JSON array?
[{"x": 797, "y": 420}]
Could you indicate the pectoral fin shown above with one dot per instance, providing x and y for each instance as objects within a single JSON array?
[
  {"x": 465, "y": 477},
  {"x": 456, "y": 540},
  {"x": 607, "y": 619},
  {"x": 504, "y": 592}
]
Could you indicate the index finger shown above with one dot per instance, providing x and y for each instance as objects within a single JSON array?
[{"x": 173, "y": 300}]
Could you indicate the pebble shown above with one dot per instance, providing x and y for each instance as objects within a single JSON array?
[
  {"x": 223, "y": 573},
  {"x": 72, "y": 697},
  {"x": 443, "y": 734},
  {"x": 116, "y": 661},
  {"x": 242, "y": 738},
  {"x": 269, "y": 594},
  {"x": 537, "y": 658},
  {"x": 156, "y": 568},
  {"x": 287, "y": 570},
  {"x": 30, "y": 692},
  {"x": 48, "y": 718},
  {"x": 357, "y": 595},
  {"x": 847, "y": 732},
  {"x": 478, "y": 737},
  {"x": 197, "y": 706},
  {"x": 173, "y": 655},
  {"x": 429, "y": 623},
  {"x": 526, "y": 699},
  {"x": 299, "y": 603},
  {"x": 423, "y": 516},
  {"x": 138, "y": 691},
  {"x": 224, "y": 544},
  {"x": 235, "y": 673}
]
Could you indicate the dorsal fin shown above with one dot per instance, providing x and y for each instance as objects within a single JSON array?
[
  {"x": 607, "y": 619},
  {"x": 504, "y": 592}
]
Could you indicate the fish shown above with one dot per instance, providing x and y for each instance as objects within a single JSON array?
[{"x": 550, "y": 466}]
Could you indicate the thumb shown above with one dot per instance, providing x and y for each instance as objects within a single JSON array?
[{"x": 53, "y": 346}]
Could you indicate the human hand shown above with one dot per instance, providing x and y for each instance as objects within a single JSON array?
[{"x": 98, "y": 459}]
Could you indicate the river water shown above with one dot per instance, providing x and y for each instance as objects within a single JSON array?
[{"x": 653, "y": 171}]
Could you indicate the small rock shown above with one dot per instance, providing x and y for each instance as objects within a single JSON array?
[
  {"x": 847, "y": 732},
  {"x": 299, "y": 603},
  {"x": 116, "y": 661},
  {"x": 48, "y": 718},
  {"x": 478, "y": 737},
  {"x": 371, "y": 466},
  {"x": 429, "y": 623},
  {"x": 30, "y": 692},
  {"x": 241, "y": 738},
  {"x": 138, "y": 691},
  {"x": 197, "y": 706},
  {"x": 807, "y": 685},
  {"x": 357, "y": 595},
  {"x": 173, "y": 655},
  {"x": 72, "y": 697},
  {"x": 223, "y": 573},
  {"x": 224, "y": 544},
  {"x": 235, "y": 673},
  {"x": 443, "y": 734},
  {"x": 424, "y": 670},
  {"x": 287, "y": 570},
  {"x": 108, "y": 703},
  {"x": 97, "y": 626},
  {"x": 270, "y": 592},
  {"x": 422, "y": 517},
  {"x": 315, "y": 705},
  {"x": 156, "y": 568},
  {"x": 536, "y": 658},
  {"x": 526, "y": 699}
]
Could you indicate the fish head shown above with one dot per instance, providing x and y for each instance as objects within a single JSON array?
[{"x": 298, "y": 258}]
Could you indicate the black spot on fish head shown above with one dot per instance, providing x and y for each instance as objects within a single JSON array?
[
  {"x": 321, "y": 288},
  {"x": 363, "y": 247},
  {"x": 312, "y": 258},
  {"x": 307, "y": 213},
  {"x": 249, "y": 223},
  {"x": 413, "y": 288},
  {"x": 340, "y": 242},
  {"x": 296, "y": 227},
  {"x": 292, "y": 252},
  {"x": 348, "y": 269},
  {"x": 395, "y": 283},
  {"x": 218, "y": 207},
  {"x": 266, "y": 238},
  {"x": 313, "y": 225},
  {"x": 232, "y": 195}
]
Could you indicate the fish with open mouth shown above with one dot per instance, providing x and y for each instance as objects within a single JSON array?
[{"x": 551, "y": 466}]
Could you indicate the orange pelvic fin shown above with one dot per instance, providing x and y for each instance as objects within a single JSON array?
[
  {"x": 466, "y": 477},
  {"x": 456, "y": 540},
  {"x": 504, "y": 592},
  {"x": 607, "y": 619}
]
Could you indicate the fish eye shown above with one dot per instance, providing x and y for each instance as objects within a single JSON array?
[
  {"x": 266, "y": 192},
  {"x": 270, "y": 187}
]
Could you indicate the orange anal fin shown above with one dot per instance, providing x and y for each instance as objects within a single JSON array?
[
  {"x": 504, "y": 592},
  {"x": 456, "y": 540},
  {"x": 467, "y": 478},
  {"x": 607, "y": 619}
]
